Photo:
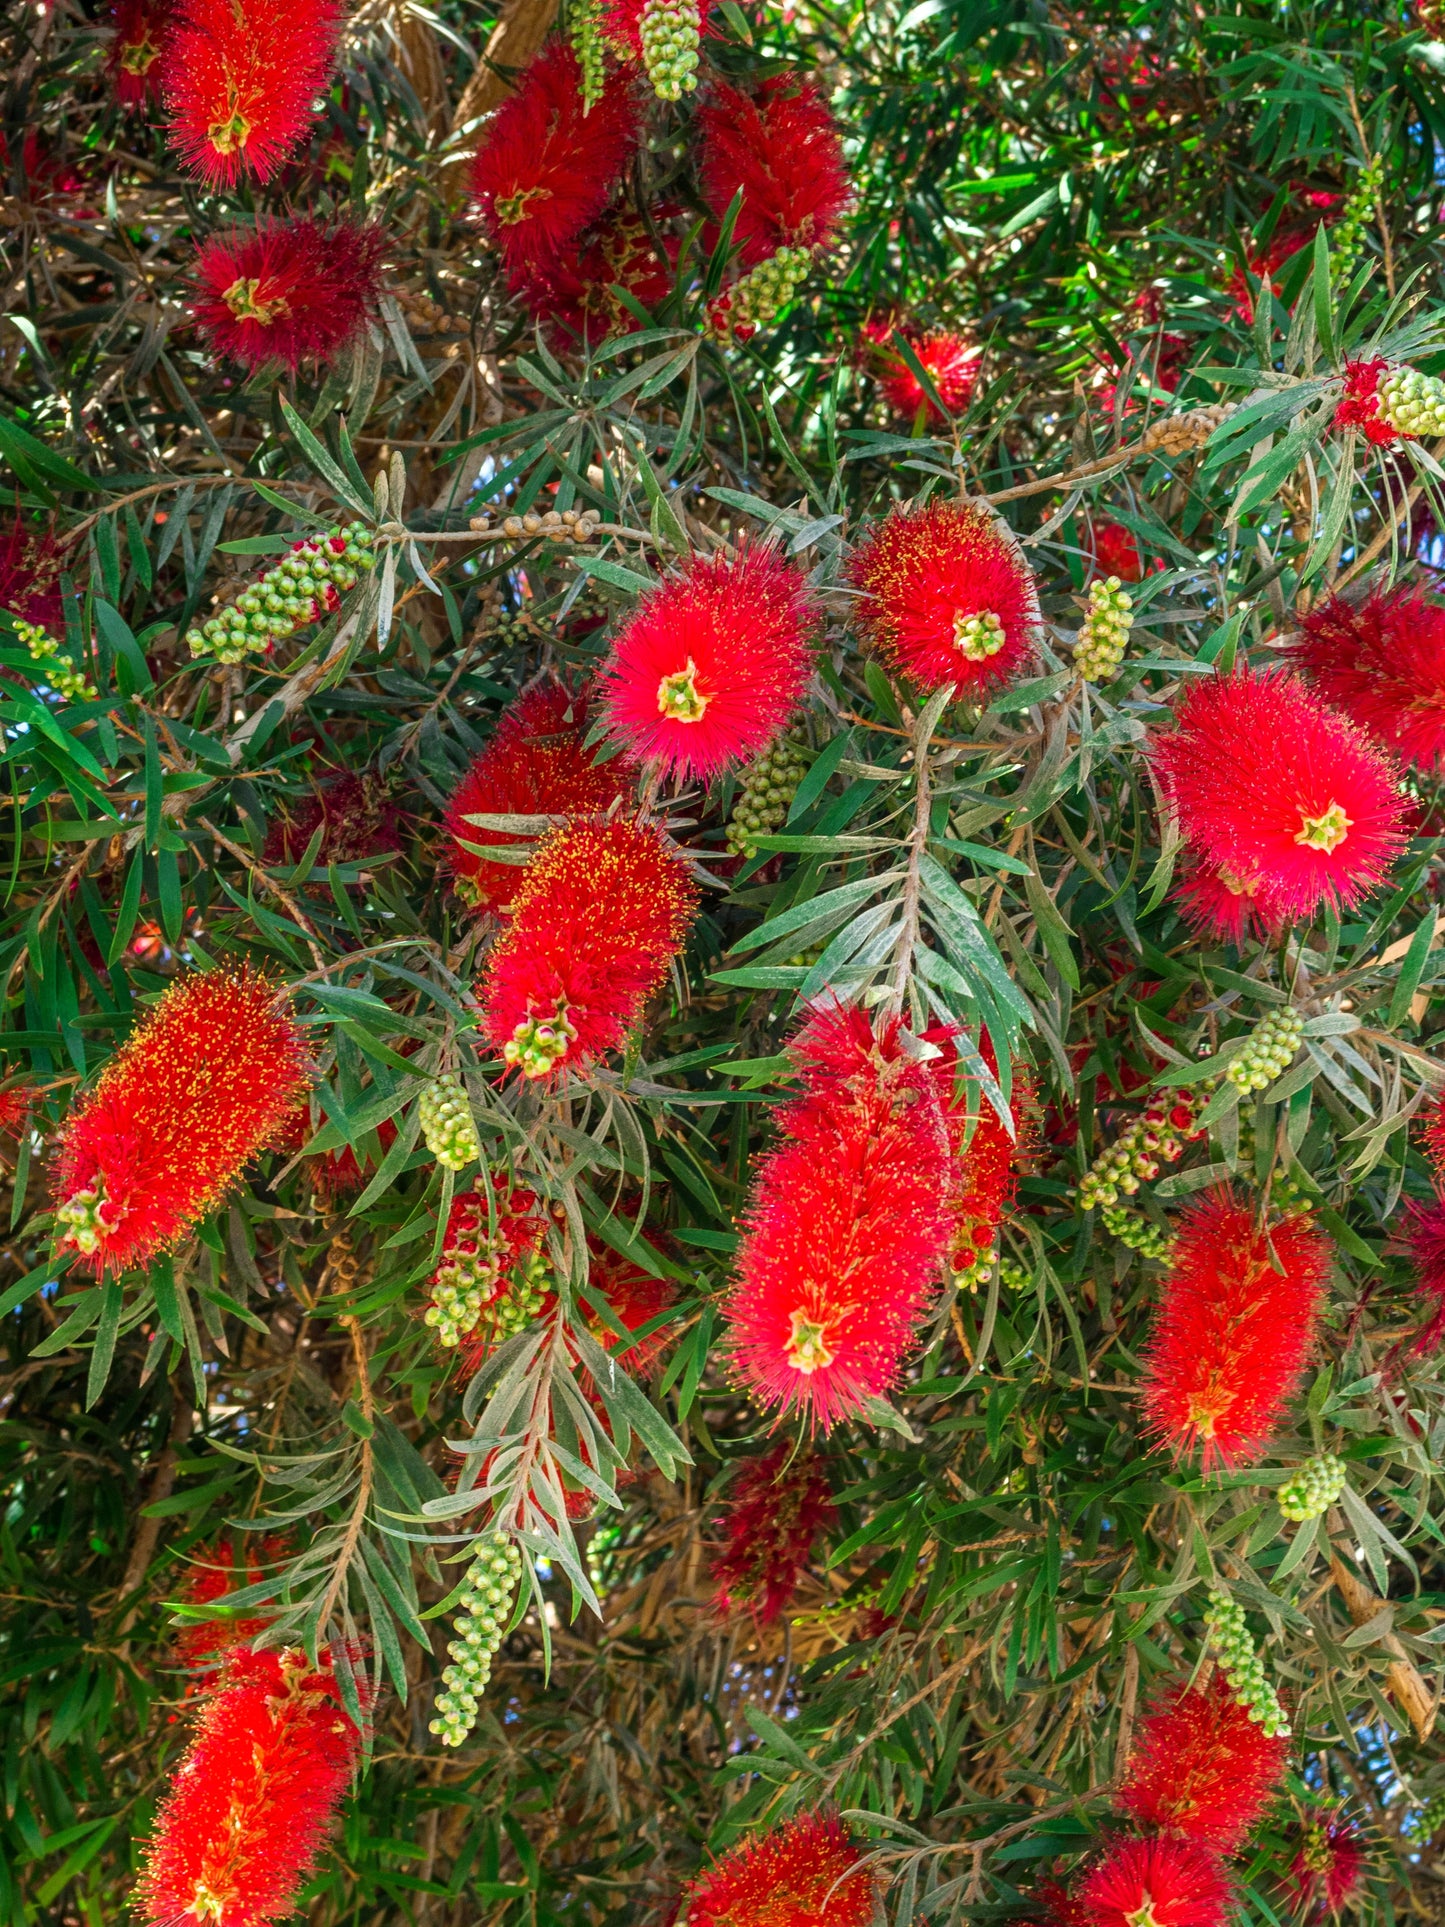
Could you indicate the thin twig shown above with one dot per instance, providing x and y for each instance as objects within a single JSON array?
[{"x": 268, "y": 882}]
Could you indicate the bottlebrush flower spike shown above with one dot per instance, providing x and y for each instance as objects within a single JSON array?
[
  {"x": 545, "y": 170},
  {"x": 711, "y": 666},
  {"x": 209, "y": 1077},
  {"x": 1202, "y": 1767},
  {"x": 577, "y": 291},
  {"x": 1381, "y": 659},
  {"x": 287, "y": 291},
  {"x": 535, "y": 765},
  {"x": 951, "y": 363},
  {"x": 1218, "y": 904},
  {"x": 635, "y": 1297},
  {"x": 30, "y": 564},
  {"x": 353, "y": 814},
  {"x": 254, "y": 1798},
  {"x": 987, "y": 1165},
  {"x": 781, "y": 147},
  {"x": 806, "y": 1872},
  {"x": 239, "y": 78},
  {"x": 133, "y": 59},
  {"x": 948, "y": 597},
  {"x": 1232, "y": 1333},
  {"x": 1329, "y": 1866},
  {"x": 846, "y": 1226},
  {"x": 1432, "y": 1135},
  {"x": 775, "y": 1508},
  {"x": 202, "y": 1645},
  {"x": 15, "y": 1103},
  {"x": 1422, "y": 1241},
  {"x": 601, "y": 911},
  {"x": 1285, "y": 800},
  {"x": 1156, "y": 1883}
]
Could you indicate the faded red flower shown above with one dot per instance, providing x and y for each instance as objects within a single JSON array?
[
  {"x": 780, "y": 147},
  {"x": 1233, "y": 1329},
  {"x": 1280, "y": 795},
  {"x": 1328, "y": 1867},
  {"x": 774, "y": 1510},
  {"x": 1360, "y": 404},
  {"x": 239, "y": 78},
  {"x": 846, "y": 1226},
  {"x": 712, "y": 664},
  {"x": 353, "y": 814},
  {"x": 1202, "y": 1767},
  {"x": 947, "y": 597},
  {"x": 601, "y": 912},
  {"x": 807, "y": 1871},
  {"x": 287, "y": 291},
  {"x": 1421, "y": 1239},
  {"x": 202, "y": 1645},
  {"x": 544, "y": 170},
  {"x": 535, "y": 765},
  {"x": 1432, "y": 1134},
  {"x": 31, "y": 561},
  {"x": 1159, "y": 1882},
  {"x": 133, "y": 59},
  {"x": 209, "y": 1077},
  {"x": 951, "y": 362},
  {"x": 254, "y": 1798},
  {"x": 578, "y": 290},
  {"x": 1380, "y": 658}
]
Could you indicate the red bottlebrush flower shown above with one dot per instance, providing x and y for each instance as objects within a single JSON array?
[
  {"x": 1329, "y": 1866},
  {"x": 1156, "y": 1883},
  {"x": 986, "y": 1166},
  {"x": 30, "y": 564},
  {"x": 847, "y": 1223},
  {"x": 202, "y": 1645},
  {"x": 1202, "y": 1767},
  {"x": 948, "y": 597},
  {"x": 1422, "y": 1241},
  {"x": 951, "y": 363},
  {"x": 253, "y": 1800},
  {"x": 354, "y": 817},
  {"x": 711, "y": 666},
  {"x": 545, "y": 170},
  {"x": 1381, "y": 659},
  {"x": 1360, "y": 404},
  {"x": 1116, "y": 552},
  {"x": 1279, "y": 794},
  {"x": 133, "y": 60},
  {"x": 287, "y": 291},
  {"x": 15, "y": 1103},
  {"x": 635, "y": 1297},
  {"x": 1232, "y": 1333},
  {"x": 1432, "y": 1134},
  {"x": 535, "y": 765},
  {"x": 600, "y": 913},
  {"x": 239, "y": 77},
  {"x": 806, "y": 1872},
  {"x": 775, "y": 1509},
  {"x": 780, "y": 146},
  {"x": 620, "y": 252},
  {"x": 208, "y": 1078}
]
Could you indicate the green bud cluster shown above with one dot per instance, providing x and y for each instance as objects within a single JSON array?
[
  {"x": 1242, "y": 1665},
  {"x": 670, "y": 37},
  {"x": 1412, "y": 403},
  {"x": 767, "y": 790},
  {"x": 307, "y": 582},
  {"x": 446, "y": 1123},
  {"x": 1015, "y": 1276},
  {"x": 978, "y": 1272},
  {"x": 1139, "y": 1233},
  {"x": 1286, "y": 1194},
  {"x": 1104, "y": 634},
  {"x": 752, "y": 302},
  {"x": 1312, "y": 1488},
  {"x": 977, "y": 637},
  {"x": 586, "y": 36},
  {"x": 465, "y": 1287},
  {"x": 486, "y": 1601},
  {"x": 538, "y": 1043},
  {"x": 1268, "y": 1051},
  {"x": 1135, "y": 1156},
  {"x": 60, "y": 672},
  {"x": 82, "y": 1217},
  {"x": 1355, "y": 216}
]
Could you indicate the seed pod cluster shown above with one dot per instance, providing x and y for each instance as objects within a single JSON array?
[
  {"x": 752, "y": 302},
  {"x": 765, "y": 795},
  {"x": 60, "y": 672},
  {"x": 1268, "y": 1051},
  {"x": 1412, "y": 403},
  {"x": 306, "y": 584},
  {"x": 1134, "y": 1158},
  {"x": 1104, "y": 635},
  {"x": 1139, "y": 1233},
  {"x": 670, "y": 38},
  {"x": 1312, "y": 1488},
  {"x": 486, "y": 1607}
]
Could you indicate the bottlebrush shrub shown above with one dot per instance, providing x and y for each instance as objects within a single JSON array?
[
  {"x": 1156, "y": 1883},
  {"x": 209, "y": 1077},
  {"x": 133, "y": 59},
  {"x": 544, "y": 171},
  {"x": 535, "y": 765},
  {"x": 1280, "y": 798},
  {"x": 711, "y": 666},
  {"x": 254, "y": 1798},
  {"x": 846, "y": 1226},
  {"x": 288, "y": 291},
  {"x": 806, "y": 1872},
  {"x": 776, "y": 1506},
  {"x": 1233, "y": 1329},
  {"x": 1380, "y": 658},
  {"x": 239, "y": 77},
  {"x": 600, "y": 914},
  {"x": 947, "y": 597},
  {"x": 951, "y": 362},
  {"x": 779, "y": 147},
  {"x": 1202, "y": 1767}
]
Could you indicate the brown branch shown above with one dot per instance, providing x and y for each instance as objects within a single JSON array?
[
  {"x": 148, "y": 1526},
  {"x": 1407, "y": 1687}
]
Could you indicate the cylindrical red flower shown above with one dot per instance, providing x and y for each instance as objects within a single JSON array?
[
  {"x": 133, "y": 59},
  {"x": 846, "y": 1227},
  {"x": 987, "y": 1159},
  {"x": 806, "y": 1872},
  {"x": 1156, "y": 1883},
  {"x": 712, "y": 664},
  {"x": 254, "y": 1798},
  {"x": 948, "y": 597},
  {"x": 287, "y": 291},
  {"x": 239, "y": 78},
  {"x": 31, "y": 561},
  {"x": 545, "y": 170},
  {"x": 535, "y": 765},
  {"x": 779, "y": 146},
  {"x": 1280, "y": 796},
  {"x": 1329, "y": 1865},
  {"x": 202, "y": 1645},
  {"x": 1202, "y": 1767},
  {"x": 1381, "y": 659},
  {"x": 951, "y": 362},
  {"x": 209, "y": 1077},
  {"x": 1233, "y": 1329},
  {"x": 775, "y": 1508},
  {"x": 601, "y": 912}
]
